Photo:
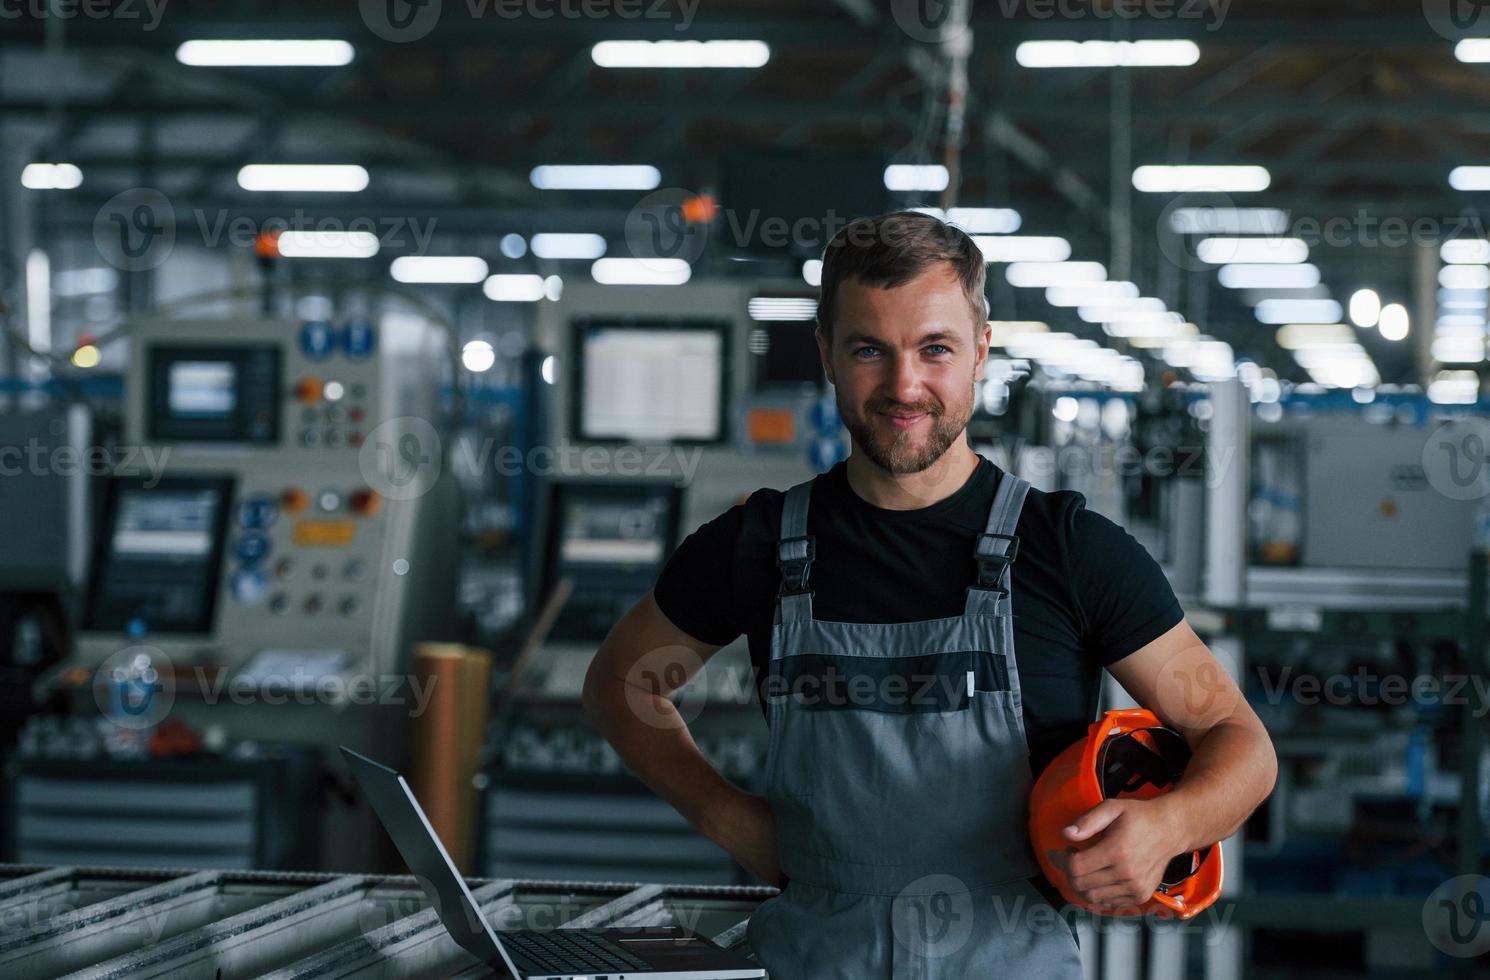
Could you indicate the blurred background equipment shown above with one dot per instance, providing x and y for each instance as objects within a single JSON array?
[{"x": 360, "y": 367}]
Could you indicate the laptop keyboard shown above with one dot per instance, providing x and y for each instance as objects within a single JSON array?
[{"x": 570, "y": 951}]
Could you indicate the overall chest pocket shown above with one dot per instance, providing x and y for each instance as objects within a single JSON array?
[{"x": 917, "y": 684}]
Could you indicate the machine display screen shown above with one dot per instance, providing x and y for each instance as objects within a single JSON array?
[
  {"x": 650, "y": 382},
  {"x": 202, "y": 389},
  {"x": 786, "y": 355},
  {"x": 159, "y": 553},
  {"x": 214, "y": 394},
  {"x": 610, "y": 540},
  {"x": 613, "y": 532}
]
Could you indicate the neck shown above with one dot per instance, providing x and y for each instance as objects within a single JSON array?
[{"x": 912, "y": 491}]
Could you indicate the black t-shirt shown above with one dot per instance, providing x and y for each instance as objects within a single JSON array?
[{"x": 1085, "y": 593}]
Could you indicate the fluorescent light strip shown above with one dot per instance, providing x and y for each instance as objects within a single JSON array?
[
  {"x": 1003, "y": 330},
  {"x": 51, "y": 176},
  {"x": 680, "y": 54},
  {"x": 1035, "y": 275},
  {"x": 641, "y": 272},
  {"x": 916, "y": 177},
  {"x": 1228, "y": 221},
  {"x": 599, "y": 177},
  {"x": 265, "y": 53},
  {"x": 1252, "y": 251},
  {"x": 1456, "y": 350},
  {"x": 568, "y": 245},
  {"x": 1142, "y": 307},
  {"x": 1107, "y": 54},
  {"x": 1454, "y": 388},
  {"x": 513, "y": 288},
  {"x": 1470, "y": 178},
  {"x": 782, "y": 308},
  {"x": 1296, "y": 335},
  {"x": 1464, "y": 277},
  {"x": 299, "y": 177},
  {"x": 1091, "y": 294},
  {"x": 1244, "y": 276},
  {"x": 1463, "y": 296},
  {"x": 438, "y": 269},
  {"x": 327, "y": 244},
  {"x": 1465, "y": 251},
  {"x": 1184, "y": 179},
  {"x": 1022, "y": 248},
  {"x": 1298, "y": 311},
  {"x": 978, "y": 221}
]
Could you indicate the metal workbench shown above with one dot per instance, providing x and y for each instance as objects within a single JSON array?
[{"x": 120, "y": 923}]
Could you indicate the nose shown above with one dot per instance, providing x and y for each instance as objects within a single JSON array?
[{"x": 905, "y": 383}]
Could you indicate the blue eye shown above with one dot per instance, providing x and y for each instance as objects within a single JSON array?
[
  {"x": 944, "y": 347},
  {"x": 861, "y": 350}
]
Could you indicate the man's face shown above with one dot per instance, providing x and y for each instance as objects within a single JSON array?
[{"x": 904, "y": 362}]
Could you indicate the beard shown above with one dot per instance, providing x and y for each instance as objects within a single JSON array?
[{"x": 905, "y": 451}]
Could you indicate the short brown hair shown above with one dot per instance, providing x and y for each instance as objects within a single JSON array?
[{"x": 890, "y": 250}]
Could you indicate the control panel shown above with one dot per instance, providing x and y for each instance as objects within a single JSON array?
[{"x": 332, "y": 537}]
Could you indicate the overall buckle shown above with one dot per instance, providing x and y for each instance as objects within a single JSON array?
[
  {"x": 991, "y": 567},
  {"x": 794, "y": 570}
]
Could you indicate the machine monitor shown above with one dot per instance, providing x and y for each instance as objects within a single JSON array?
[
  {"x": 159, "y": 552},
  {"x": 786, "y": 355},
  {"x": 214, "y": 393},
  {"x": 661, "y": 381},
  {"x": 611, "y": 540}
]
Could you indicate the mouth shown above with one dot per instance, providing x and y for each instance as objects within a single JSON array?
[{"x": 902, "y": 421}]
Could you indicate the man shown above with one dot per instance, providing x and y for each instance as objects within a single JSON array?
[{"x": 895, "y": 796}]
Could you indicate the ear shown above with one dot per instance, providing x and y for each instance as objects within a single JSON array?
[
  {"x": 984, "y": 335},
  {"x": 825, "y": 352}
]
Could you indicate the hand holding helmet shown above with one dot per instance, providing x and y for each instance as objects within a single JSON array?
[{"x": 1103, "y": 786}]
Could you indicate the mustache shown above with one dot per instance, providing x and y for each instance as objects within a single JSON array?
[{"x": 891, "y": 409}]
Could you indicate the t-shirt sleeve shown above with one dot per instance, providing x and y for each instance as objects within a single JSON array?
[
  {"x": 1121, "y": 594},
  {"x": 695, "y": 589}
]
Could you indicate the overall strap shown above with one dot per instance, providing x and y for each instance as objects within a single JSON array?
[
  {"x": 998, "y": 545},
  {"x": 795, "y": 550}
]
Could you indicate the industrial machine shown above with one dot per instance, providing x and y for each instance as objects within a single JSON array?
[
  {"x": 671, "y": 406},
  {"x": 301, "y": 506},
  {"x": 267, "y": 579}
]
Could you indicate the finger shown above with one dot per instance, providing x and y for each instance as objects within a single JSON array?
[
  {"x": 1094, "y": 821},
  {"x": 1115, "y": 898},
  {"x": 1096, "y": 879},
  {"x": 1100, "y": 856}
]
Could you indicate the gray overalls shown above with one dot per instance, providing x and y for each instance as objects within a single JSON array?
[{"x": 899, "y": 775}]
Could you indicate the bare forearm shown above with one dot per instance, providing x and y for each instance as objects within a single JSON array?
[
  {"x": 1231, "y": 772},
  {"x": 660, "y": 751}
]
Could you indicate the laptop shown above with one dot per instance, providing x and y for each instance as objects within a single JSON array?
[{"x": 651, "y": 952}]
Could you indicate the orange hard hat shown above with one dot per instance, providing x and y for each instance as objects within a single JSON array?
[{"x": 1126, "y": 754}]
